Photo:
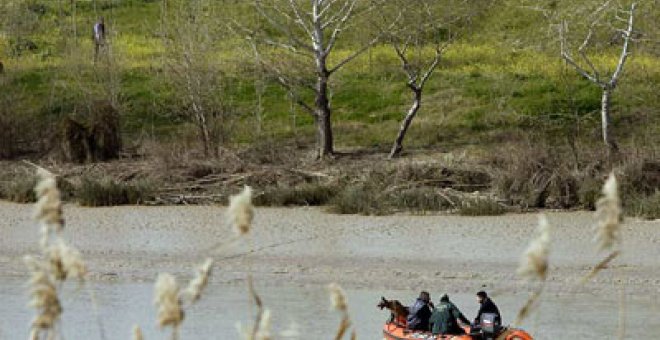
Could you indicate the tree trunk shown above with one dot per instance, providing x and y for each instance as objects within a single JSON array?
[
  {"x": 608, "y": 139},
  {"x": 204, "y": 135},
  {"x": 398, "y": 142},
  {"x": 323, "y": 123}
]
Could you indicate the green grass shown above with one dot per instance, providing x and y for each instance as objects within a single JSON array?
[{"x": 483, "y": 88}]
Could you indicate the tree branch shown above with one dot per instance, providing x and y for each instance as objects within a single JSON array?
[
  {"x": 566, "y": 56},
  {"x": 282, "y": 80},
  {"x": 340, "y": 24},
  {"x": 624, "y": 49},
  {"x": 280, "y": 27},
  {"x": 300, "y": 20},
  {"x": 435, "y": 63},
  {"x": 582, "y": 52}
]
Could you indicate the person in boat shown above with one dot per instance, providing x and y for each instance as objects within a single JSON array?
[
  {"x": 445, "y": 318},
  {"x": 487, "y": 306},
  {"x": 420, "y": 313}
]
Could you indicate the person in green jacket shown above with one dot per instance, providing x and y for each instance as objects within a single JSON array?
[{"x": 445, "y": 318}]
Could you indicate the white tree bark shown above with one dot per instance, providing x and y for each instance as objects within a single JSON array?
[
  {"x": 607, "y": 85},
  {"x": 418, "y": 72},
  {"x": 312, "y": 32}
]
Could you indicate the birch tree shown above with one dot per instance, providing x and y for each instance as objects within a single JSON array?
[
  {"x": 311, "y": 30},
  {"x": 585, "y": 66}
]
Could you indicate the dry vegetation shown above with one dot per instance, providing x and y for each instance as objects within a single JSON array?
[{"x": 520, "y": 179}]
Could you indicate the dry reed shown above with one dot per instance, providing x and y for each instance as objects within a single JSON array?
[
  {"x": 241, "y": 211},
  {"x": 600, "y": 266},
  {"x": 608, "y": 212},
  {"x": 43, "y": 293},
  {"x": 167, "y": 300},
  {"x": 339, "y": 302},
  {"x": 137, "y": 333},
  {"x": 66, "y": 262},
  {"x": 260, "y": 329},
  {"x": 59, "y": 260},
  {"x": 197, "y": 285},
  {"x": 48, "y": 209},
  {"x": 534, "y": 263},
  {"x": 608, "y": 228},
  {"x": 530, "y": 305},
  {"x": 534, "y": 266},
  {"x": 263, "y": 333}
]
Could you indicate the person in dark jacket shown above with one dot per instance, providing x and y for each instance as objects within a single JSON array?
[
  {"x": 420, "y": 312},
  {"x": 487, "y": 306},
  {"x": 445, "y": 318},
  {"x": 99, "y": 36}
]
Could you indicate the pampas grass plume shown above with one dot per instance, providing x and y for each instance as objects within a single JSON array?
[
  {"x": 264, "y": 326},
  {"x": 337, "y": 297},
  {"x": 608, "y": 212},
  {"x": 137, "y": 333},
  {"x": 48, "y": 209},
  {"x": 66, "y": 262},
  {"x": 43, "y": 296},
  {"x": 241, "y": 211},
  {"x": 534, "y": 263},
  {"x": 197, "y": 285},
  {"x": 167, "y": 300}
]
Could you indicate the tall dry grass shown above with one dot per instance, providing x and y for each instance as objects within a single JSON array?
[
  {"x": 607, "y": 232},
  {"x": 241, "y": 211},
  {"x": 534, "y": 267},
  {"x": 57, "y": 262},
  {"x": 340, "y": 303},
  {"x": 172, "y": 301}
]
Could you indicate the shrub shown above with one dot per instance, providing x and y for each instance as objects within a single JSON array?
[
  {"x": 21, "y": 190},
  {"x": 418, "y": 200},
  {"x": 643, "y": 205},
  {"x": 589, "y": 192},
  {"x": 313, "y": 194},
  {"x": 107, "y": 192},
  {"x": 481, "y": 206},
  {"x": 359, "y": 199}
]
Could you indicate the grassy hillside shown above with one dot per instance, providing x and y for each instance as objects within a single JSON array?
[
  {"x": 492, "y": 80},
  {"x": 500, "y": 86}
]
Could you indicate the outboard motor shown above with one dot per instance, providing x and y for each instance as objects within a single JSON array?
[{"x": 489, "y": 325}]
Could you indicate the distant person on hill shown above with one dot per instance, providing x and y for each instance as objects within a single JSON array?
[
  {"x": 2, "y": 67},
  {"x": 99, "y": 37},
  {"x": 420, "y": 312},
  {"x": 487, "y": 306}
]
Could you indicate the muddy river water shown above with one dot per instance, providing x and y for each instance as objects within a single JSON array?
[{"x": 294, "y": 253}]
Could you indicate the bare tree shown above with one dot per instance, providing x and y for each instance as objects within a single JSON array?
[
  {"x": 423, "y": 26},
  {"x": 310, "y": 30},
  {"x": 591, "y": 73},
  {"x": 188, "y": 35}
]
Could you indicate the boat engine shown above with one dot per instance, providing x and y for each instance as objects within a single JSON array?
[{"x": 489, "y": 326}]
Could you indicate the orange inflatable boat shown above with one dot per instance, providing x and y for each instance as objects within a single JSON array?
[{"x": 393, "y": 331}]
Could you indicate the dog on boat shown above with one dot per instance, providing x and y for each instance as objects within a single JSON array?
[{"x": 399, "y": 312}]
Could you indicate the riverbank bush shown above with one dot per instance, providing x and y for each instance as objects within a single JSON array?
[{"x": 108, "y": 192}]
